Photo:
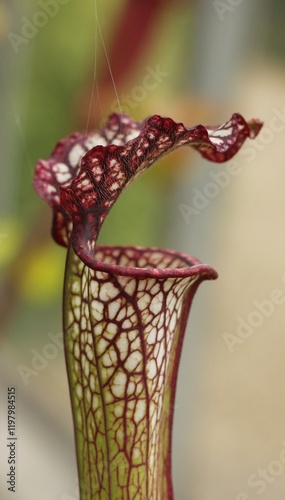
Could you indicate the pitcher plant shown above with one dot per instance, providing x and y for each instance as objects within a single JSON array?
[{"x": 125, "y": 307}]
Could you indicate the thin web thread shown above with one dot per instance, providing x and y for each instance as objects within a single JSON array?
[{"x": 98, "y": 29}]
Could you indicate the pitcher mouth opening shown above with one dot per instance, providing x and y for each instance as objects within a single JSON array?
[{"x": 146, "y": 262}]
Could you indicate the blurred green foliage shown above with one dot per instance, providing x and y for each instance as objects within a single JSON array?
[{"x": 44, "y": 82}]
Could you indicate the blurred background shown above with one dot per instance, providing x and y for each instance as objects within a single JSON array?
[{"x": 66, "y": 66}]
